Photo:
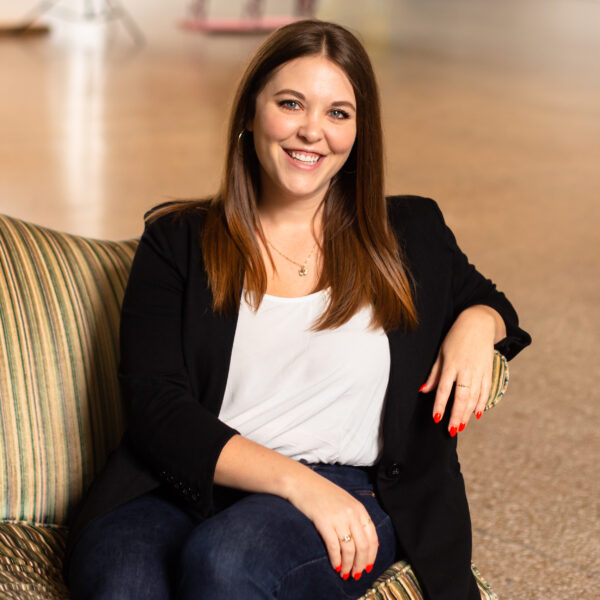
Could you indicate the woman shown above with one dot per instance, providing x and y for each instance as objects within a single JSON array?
[{"x": 275, "y": 343}]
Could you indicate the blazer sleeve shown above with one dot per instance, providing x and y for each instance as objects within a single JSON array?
[
  {"x": 169, "y": 429},
  {"x": 470, "y": 287}
]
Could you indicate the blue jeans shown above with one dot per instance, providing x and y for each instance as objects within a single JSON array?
[{"x": 257, "y": 546}]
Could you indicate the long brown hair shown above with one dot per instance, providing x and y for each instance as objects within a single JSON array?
[{"x": 362, "y": 262}]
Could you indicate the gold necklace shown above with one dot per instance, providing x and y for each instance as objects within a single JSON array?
[{"x": 303, "y": 271}]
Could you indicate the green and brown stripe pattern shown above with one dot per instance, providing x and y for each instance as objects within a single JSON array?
[
  {"x": 399, "y": 583},
  {"x": 31, "y": 562},
  {"x": 60, "y": 298}
]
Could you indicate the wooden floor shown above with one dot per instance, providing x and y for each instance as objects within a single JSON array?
[{"x": 492, "y": 108}]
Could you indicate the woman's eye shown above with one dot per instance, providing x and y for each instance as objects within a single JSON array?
[
  {"x": 339, "y": 114},
  {"x": 291, "y": 104}
]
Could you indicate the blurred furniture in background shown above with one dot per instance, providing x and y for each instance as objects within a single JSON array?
[
  {"x": 92, "y": 11},
  {"x": 251, "y": 20}
]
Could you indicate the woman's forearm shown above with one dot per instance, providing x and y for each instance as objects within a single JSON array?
[{"x": 248, "y": 466}]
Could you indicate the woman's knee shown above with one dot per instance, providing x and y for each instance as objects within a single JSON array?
[
  {"x": 244, "y": 547},
  {"x": 102, "y": 569},
  {"x": 217, "y": 566},
  {"x": 130, "y": 552}
]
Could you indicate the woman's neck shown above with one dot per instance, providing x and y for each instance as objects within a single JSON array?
[{"x": 291, "y": 217}]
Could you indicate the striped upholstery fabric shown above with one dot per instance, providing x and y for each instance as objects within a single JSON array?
[
  {"x": 60, "y": 298},
  {"x": 500, "y": 378},
  {"x": 399, "y": 583},
  {"x": 30, "y": 562}
]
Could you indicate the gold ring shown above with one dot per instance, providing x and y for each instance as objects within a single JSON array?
[
  {"x": 346, "y": 538},
  {"x": 462, "y": 385}
]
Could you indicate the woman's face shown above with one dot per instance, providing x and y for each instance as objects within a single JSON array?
[{"x": 304, "y": 127}]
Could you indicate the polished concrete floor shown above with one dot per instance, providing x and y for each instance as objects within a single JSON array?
[{"x": 492, "y": 108}]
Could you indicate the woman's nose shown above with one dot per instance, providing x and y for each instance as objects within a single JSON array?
[{"x": 311, "y": 129}]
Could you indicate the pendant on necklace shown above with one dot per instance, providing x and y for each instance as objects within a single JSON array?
[{"x": 302, "y": 272}]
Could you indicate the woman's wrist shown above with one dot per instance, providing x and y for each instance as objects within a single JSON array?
[{"x": 485, "y": 312}]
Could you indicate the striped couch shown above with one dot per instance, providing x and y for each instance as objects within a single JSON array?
[{"x": 60, "y": 298}]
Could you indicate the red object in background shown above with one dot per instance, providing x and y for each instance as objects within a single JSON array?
[{"x": 250, "y": 21}]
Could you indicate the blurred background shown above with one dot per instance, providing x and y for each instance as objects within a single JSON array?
[{"x": 491, "y": 108}]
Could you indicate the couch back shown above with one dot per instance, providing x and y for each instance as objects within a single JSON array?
[{"x": 60, "y": 410}]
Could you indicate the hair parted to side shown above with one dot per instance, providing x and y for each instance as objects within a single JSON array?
[{"x": 362, "y": 262}]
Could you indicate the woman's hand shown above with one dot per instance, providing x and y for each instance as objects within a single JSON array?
[
  {"x": 343, "y": 523},
  {"x": 336, "y": 514},
  {"x": 466, "y": 357}
]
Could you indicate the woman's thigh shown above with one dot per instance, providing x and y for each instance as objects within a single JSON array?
[
  {"x": 131, "y": 552},
  {"x": 262, "y": 547}
]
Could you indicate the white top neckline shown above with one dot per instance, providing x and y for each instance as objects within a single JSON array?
[{"x": 296, "y": 298}]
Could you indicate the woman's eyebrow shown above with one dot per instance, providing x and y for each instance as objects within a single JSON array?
[{"x": 301, "y": 96}]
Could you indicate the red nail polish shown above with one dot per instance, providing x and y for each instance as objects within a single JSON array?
[
  {"x": 346, "y": 575},
  {"x": 437, "y": 417},
  {"x": 423, "y": 387},
  {"x": 453, "y": 431},
  {"x": 462, "y": 426},
  {"x": 478, "y": 415},
  {"x": 369, "y": 568},
  {"x": 357, "y": 576},
  {"x": 338, "y": 568}
]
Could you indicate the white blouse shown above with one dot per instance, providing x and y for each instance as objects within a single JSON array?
[{"x": 309, "y": 395}]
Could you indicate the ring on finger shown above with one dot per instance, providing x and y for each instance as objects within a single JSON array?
[
  {"x": 463, "y": 385},
  {"x": 346, "y": 538}
]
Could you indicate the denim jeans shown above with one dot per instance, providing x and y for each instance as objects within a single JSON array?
[{"x": 257, "y": 546}]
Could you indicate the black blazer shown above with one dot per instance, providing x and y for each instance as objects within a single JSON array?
[{"x": 175, "y": 354}]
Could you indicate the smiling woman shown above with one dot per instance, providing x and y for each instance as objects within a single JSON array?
[
  {"x": 302, "y": 137},
  {"x": 277, "y": 444}
]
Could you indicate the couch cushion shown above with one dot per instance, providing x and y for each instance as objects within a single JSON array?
[
  {"x": 399, "y": 583},
  {"x": 30, "y": 562},
  {"x": 60, "y": 413}
]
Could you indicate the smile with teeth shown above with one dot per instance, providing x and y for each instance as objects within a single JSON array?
[{"x": 308, "y": 158}]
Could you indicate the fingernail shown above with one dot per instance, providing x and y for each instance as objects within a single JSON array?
[
  {"x": 369, "y": 568},
  {"x": 346, "y": 575},
  {"x": 462, "y": 426},
  {"x": 378, "y": 544},
  {"x": 338, "y": 568},
  {"x": 453, "y": 431},
  {"x": 437, "y": 417},
  {"x": 478, "y": 415},
  {"x": 423, "y": 387},
  {"x": 357, "y": 576}
]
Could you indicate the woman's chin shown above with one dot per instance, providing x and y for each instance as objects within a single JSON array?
[{"x": 303, "y": 192}]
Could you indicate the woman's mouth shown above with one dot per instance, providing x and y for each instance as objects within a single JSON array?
[{"x": 304, "y": 158}]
